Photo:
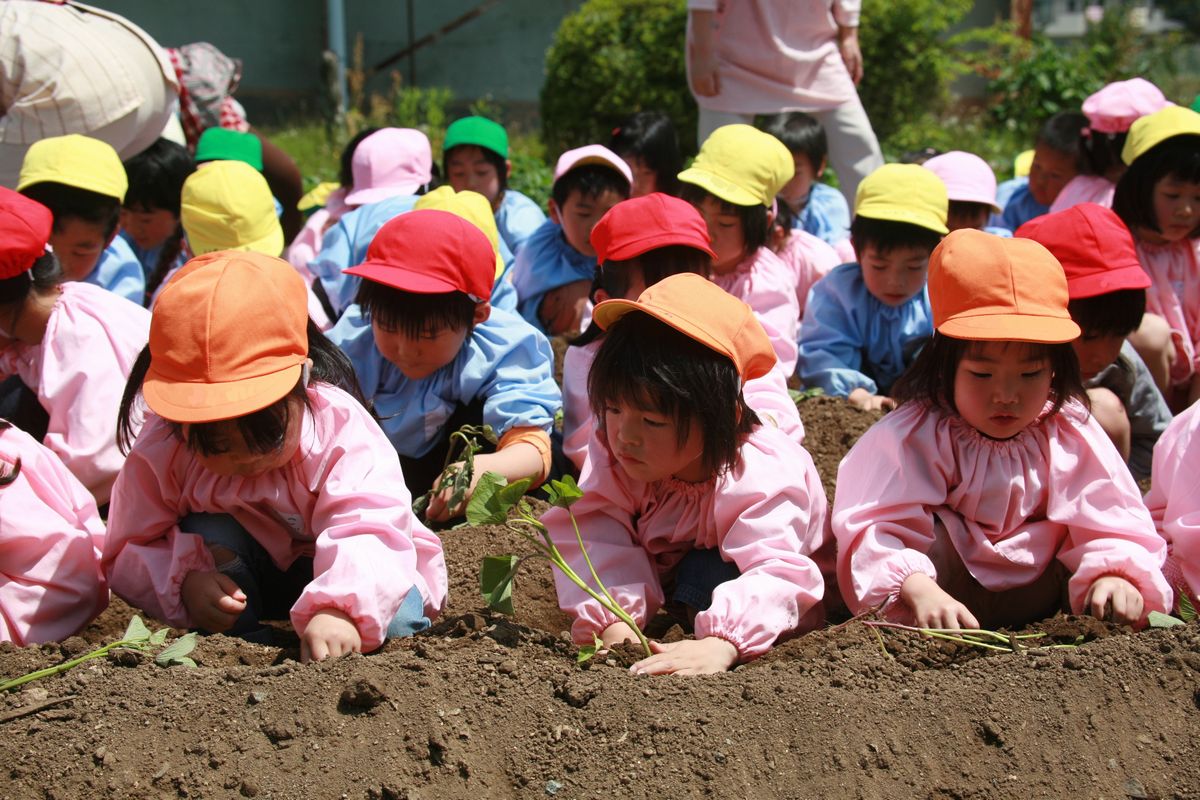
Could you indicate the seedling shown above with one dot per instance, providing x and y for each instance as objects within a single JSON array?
[
  {"x": 494, "y": 498},
  {"x": 799, "y": 397},
  {"x": 987, "y": 640},
  {"x": 459, "y": 467},
  {"x": 137, "y": 637}
]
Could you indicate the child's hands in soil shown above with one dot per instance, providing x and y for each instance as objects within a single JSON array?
[
  {"x": 330, "y": 633},
  {"x": 213, "y": 600},
  {"x": 861, "y": 398},
  {"x": 439, "y": 509},
  {"x": 562, "y": 309},
  {"x": 1117, "y": 595},
  {"x": 933, "y": 607},
  {"x": 688, "y": 657}
]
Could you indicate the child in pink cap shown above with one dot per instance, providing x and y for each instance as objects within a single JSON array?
[
  {"x": 971, "y": 187},
  {"x": 66, "y": 348},
  {"x": 989, "y": 494},
  {"x": 1174, "y": 502},
  {"x": 50, "y": 539}
]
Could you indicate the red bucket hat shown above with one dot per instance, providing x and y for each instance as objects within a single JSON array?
[
  {"x": 1094, "y": 247},
  {"x": 24, "y": 230},
  {"x": 644, "y": 223}
]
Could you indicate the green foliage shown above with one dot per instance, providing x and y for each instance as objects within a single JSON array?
[
  {"x": 1187, "y": 611},
  {"x": 1157, "y": 619},
  {"x": 496, "y": 579},
  {"x": 612, "y": 58}
]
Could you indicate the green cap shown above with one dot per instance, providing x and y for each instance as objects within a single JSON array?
[
  {"x": 222, "y": 144},
  {"x": 479, "y": 131}
]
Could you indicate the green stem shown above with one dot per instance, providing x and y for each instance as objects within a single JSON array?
[
  {"x": 66, "y": 665},
  {"x": 629, "y": 620}
]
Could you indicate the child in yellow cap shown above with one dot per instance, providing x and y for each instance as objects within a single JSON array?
[{"x": 865, "y": 321}]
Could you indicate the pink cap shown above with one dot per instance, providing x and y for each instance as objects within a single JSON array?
[
  {"x": 1118, "y": 105},
  {"x": 591, "y": 154},
  {"x": 968, "y": 177},
  {"x": 390, "y": 162}
]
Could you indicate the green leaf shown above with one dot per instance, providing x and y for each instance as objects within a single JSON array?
[
  {"x": 486, "y": 506},
  {"x": 174, "y": 652},
  {"x": 511, "y": 494},
  {"x": 586, "y": 652},
  {"x": 495, "y": 581},
  {"x": 1187, "y": 612},
  {"x": 1158, "y": 619},
  {"x": 186, "y": 661},
  {"x": 563, "y": 493},
  {"x": 136, "y": 631},
  {"x": 159, "y": 637}
]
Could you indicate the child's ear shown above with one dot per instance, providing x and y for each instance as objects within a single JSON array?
[
  {"x": 555, "y": 216},
  {"x": 482, "y": 312},
  {"x": 507, "y": 169},
  {"x": 820, "y": 170},
  {"x": 599, "y": 296}
]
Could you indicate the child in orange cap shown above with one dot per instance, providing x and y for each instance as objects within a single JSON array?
[
  {"x": 260, "y": 486},
  {"x": 990, "y": 490},
  {"x": 687, "y": 493}
]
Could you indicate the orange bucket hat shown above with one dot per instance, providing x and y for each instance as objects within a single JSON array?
[
  {"x": 701, "y": 310},
  {"x": 229, "y": 336},
  {"x": 986, "y": 287}
]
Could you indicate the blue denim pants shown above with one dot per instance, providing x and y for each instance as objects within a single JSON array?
[
  {"x": 271, "y": 592},
  {"x": 698, "y": 574}
]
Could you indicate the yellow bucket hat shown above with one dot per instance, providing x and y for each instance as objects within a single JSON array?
[
  {"x": 741, "y": 165},
  {"x": 74, "y": 160},
  {"x": 904, "y": 193},
  {"x": 471, "y": 206},
  {"x": 227, "y": 205},
  {"x": 1155, "y": 128}
]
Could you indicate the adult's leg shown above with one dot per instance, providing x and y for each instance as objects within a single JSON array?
[
  {"x": 853, "y": 148},
  {"x": 711, "y": 120}
]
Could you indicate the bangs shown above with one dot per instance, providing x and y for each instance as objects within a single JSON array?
[
  {"x": 263, "y": 431},
  {"x": 1026, "y": 351},
  {"x": 412, "y": 314}
]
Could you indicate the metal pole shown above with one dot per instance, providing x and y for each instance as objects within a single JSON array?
[{"x": 335, "y": 14}]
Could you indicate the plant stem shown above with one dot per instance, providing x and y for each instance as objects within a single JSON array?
[
  {"x": 66, "y": 665},
  {"x": 628, "y": 620}
]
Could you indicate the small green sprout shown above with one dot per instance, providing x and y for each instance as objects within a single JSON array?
[
  {"x": 799, "y": 396},
  {"x": 459, "y": 467}
]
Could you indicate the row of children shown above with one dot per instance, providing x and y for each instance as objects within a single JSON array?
[{"x": 242, "y": 441}]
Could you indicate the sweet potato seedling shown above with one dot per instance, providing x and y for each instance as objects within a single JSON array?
[
  {"x": 984, "y": 639},
  {"x": 459, "y": 466},
  {"x": 494, "y": 498}
]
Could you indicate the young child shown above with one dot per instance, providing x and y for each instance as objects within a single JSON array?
[
  {"x": 50, "y": 539},
  {"x": 648, "y": 143},
  {"x": 1056, "y": 160},
  {"x": 971, "y": 188},
  {"x": 82, "y": 181},
  {"x": 990, "y": 490},
  {"x": 1110, "y": 112},
  {"x": 555, "y": 270},
  {"x": 431, "y": 353},
  {"x": 816, "y": 207},
  {"x": 638, "y": 243},
  {"x": 67, "y": 345},
  {"x": 687, "y": 494},
  {"x": 1107, "y": 290},
  {"x": 808, "y": 258},
  {"x": 475, "y": 157},
  {"x": 733, "y": 183},
  {"x": 1172, "y": 501},
  {"x": 150, "y": 212},
  {"x": 866, "y": 321},
  {"x": 258, "y": 484},
  {"x": 1158, "y": 199}
]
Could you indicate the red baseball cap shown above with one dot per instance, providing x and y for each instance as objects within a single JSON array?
[
  {"x": 1094, "y": 247},
  {"x": 637, "y": 225},
  {"x": 24, "y": 230},
  {"x": 427, "y": 251}
]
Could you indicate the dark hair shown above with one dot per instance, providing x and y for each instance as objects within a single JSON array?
[
  {"x": 156, "y": 177},
  {"x": 411, "y": 313},
  {"x": 1133, "y": 200},
  {"x": 919, "y": 156},
  {"x": 887, "y": 235},
  {"x": 801, "y": 134},
  {"x": 167, "y": 256},
  {"x": 651, "y": 136},
  {"x": 649, "y": 364},
  {"x": 45, "y": 274},
  {"x": 8, "y": 476},
  {"x": 346, "y": 161},
  {"x": 962, "y": 208},
  {"x": 930, "y": 378},
  {"x": 590, "y": 180},
  {"x": 262, "y": 430},
  {"x": 1062, "y": 133},
  {"x": 1117, "y": 313},
  {"x": 70, "y": 202},
  {"x": 755, "y": 228},
  {"x": 1101, "y": 151},
  {"x": 498, "y": 162}
]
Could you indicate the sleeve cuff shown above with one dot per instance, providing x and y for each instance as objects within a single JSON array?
[{"x": 536, "y": 437}]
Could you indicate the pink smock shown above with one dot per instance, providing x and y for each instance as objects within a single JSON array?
[
  {"x": 341, "y": 500},
  {"x": 766, "y": 516},
  {"x": 810, "y": 258},
  {"x": 78, "y": 373},
  {"x": 50, "y": 539},
  {"x": 1174, "y": 500},
  {"x": 1174, "y": 295},
  {"x": 765, "y": 283},
  {"x": 1058, "y": 489},
  {"x": 307, "y": 244},
  {"x": 767, "y": 396},
  {"x": 1084, "y": 189},
  {"x": 779, "y": 55}
]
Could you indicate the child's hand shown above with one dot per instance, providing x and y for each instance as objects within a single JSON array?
[
  {"x": 933, "y": 607},
  {"x": 213, "y": 600},
  {"x": 329, "y": 633},
  {"x": 689, "y": 657},
  {"x": 617, "y": 633},
  {"x": 562, "y": 309},
  {"x": 851, "y": 52},
  {"x": 439, "y": 508},
  {"x": 861, "y": 398},
  {"x": 1126, "y": 601}
]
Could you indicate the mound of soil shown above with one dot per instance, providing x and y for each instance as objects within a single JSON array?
[{"x": 488, "y": 706}]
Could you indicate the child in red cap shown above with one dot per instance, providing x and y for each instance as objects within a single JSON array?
[
  {"x": 1107, "y": 289},
  {"x": 432, "y": 354}
]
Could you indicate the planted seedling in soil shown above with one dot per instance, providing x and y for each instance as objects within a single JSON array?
[
  {"x": 983, "y": 639},
  {"x": 494, "y": 498},
  {"x": 138, "y": 638},
  {"x": 459, "y": 467}
]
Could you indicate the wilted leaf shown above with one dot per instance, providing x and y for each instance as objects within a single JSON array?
[
  {"x": 1158, "y": 619},
  {"x": 136, "y": 631},
  {"x": 495, "y": 581}
]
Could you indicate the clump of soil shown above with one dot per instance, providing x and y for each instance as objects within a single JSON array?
[{"x": 487, "y": 706}]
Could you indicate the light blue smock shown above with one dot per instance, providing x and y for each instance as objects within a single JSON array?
[
  {"x": 119, "y": 271},
  {"x": 546, "y": 262},
  {"x": 826, "y": 215},
  {"x": 517, "y": 219},
  {"x": 1020, "y": 207}
]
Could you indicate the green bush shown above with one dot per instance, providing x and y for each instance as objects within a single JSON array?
[{"x": 612, "y": 58}]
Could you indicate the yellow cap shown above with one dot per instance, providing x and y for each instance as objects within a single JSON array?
[
  {"x": 741, "y": 165},
  {"x": 471, "y": 206},
  {"x": 1155, "y": 128},
  {"x": 904, "y": 193},
  {"x": 227, "y": 205},
  {"x": 74, "y": 160},
  {"x": 1022, "y": 164}
]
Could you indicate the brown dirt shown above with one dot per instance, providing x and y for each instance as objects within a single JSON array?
[{"x": 484, "y": 706}]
